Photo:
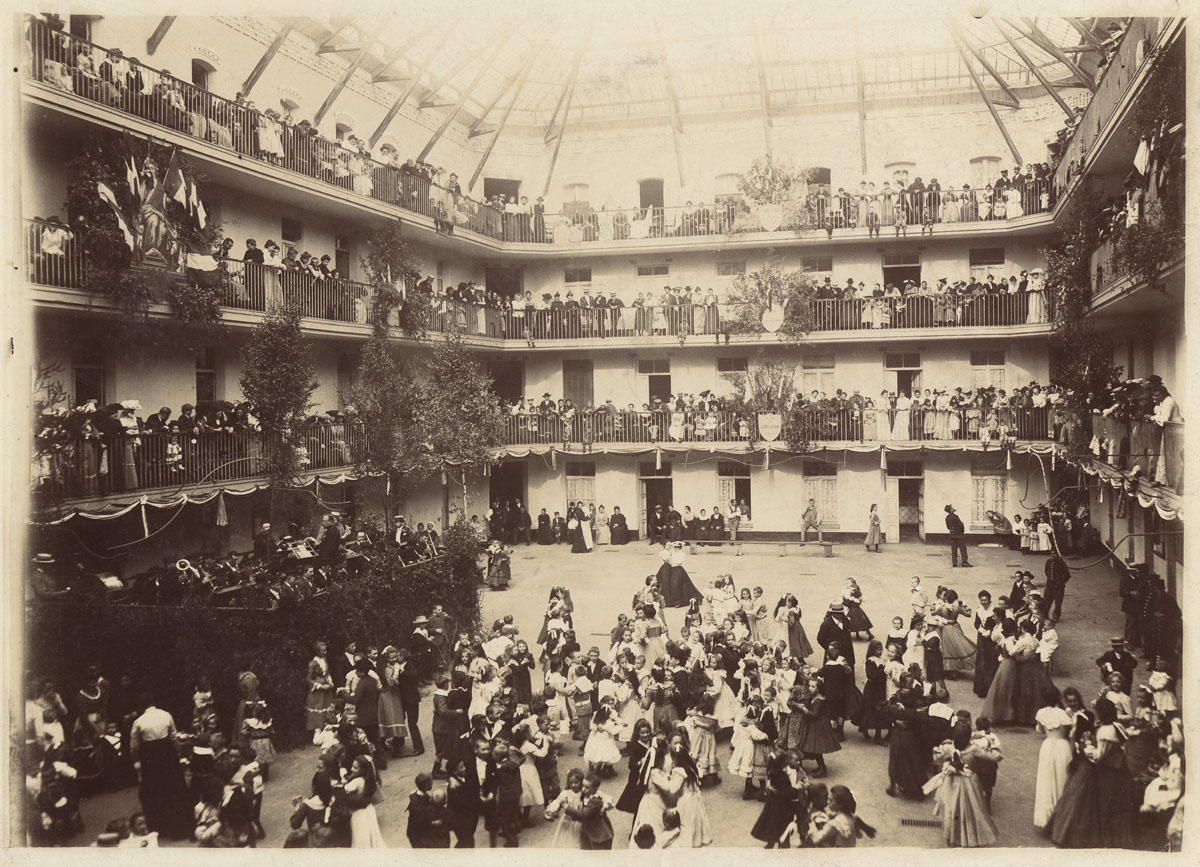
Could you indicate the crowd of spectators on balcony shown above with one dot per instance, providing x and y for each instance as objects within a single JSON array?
[{"x": 987, "y": 414}]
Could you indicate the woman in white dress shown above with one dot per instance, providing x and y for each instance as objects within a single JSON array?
[
  {"x": 1037, "y": 297},
  {"x": 914, "y": 643},
  {"x": 1013, "y": 198},
  {"x": 603, "y": 537},
  {"x": 587, "y": 525},
  {"x": 900, "y": 431},
  {"x": 1054, "y": 758},
  {"x": 950, "y": 210},
  {"x": 362, "y": 792}
]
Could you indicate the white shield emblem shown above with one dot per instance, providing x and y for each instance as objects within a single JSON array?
[
  {"x": 770, "y": 217},
  {"x": 772, "y": 318},
  {"x": 770, "y": 425}
]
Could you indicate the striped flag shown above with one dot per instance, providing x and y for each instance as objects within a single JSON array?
[
  {"x": 107, "y": 196},
  {"x": 174, "y": 183}
]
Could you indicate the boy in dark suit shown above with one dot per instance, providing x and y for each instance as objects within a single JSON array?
[{"x": 595, "y": 829}]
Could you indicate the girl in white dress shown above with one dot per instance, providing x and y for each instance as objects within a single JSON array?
[
  {"x": 726, "y": 709},
  {"x": 532, "y": 746},
  {"x": 900, "y": 430},
  {"x": 362, "y": 791},
  {"x": 1054, "y": 758},
  {"x": 602, "y": 750},
  {"x": 914, "y": 643},
  {"x": 566, "y": 834}
]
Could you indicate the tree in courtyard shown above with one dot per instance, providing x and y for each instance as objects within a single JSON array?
[{"x": 773, "y": 293}]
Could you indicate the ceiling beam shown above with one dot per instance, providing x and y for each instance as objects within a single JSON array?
[
  {"x": 430, "y": 98},
  {"x": 265, "y": 60},
  {"x": 391, "y": 113},
  {"x": 1043, "y": 42},
  {"x": 569, "y": 91},
  {"x": 345, "y": 46},
  {"x": 992, "y": 108},
  {"x": 534, "y": 52},
  {"x": 392, "y": 55},
  {"x": 518, "y": 86},
  {"x": 1086, "y": 33},
  {"x": 338, "y": 25},
  {"x": 672, "y": 101},
  {"x": 160, "y": 31},
  {"x": 499, "y": 43},
  {"x": 862, "y": 97},
  {"x": 341, "y": 85},
  {"x": 951, "y": 25},
  {"x": 1037, "y": 73},
  {"x": 763, "y": 91}
]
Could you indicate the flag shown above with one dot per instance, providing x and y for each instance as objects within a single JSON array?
[
  {"x": 131, "y": 178},
  {"x": 201, "y": 214},
  {"x": 174, "y": 183},
  {"x": 193, "y": 199},
  {"x": 106, "y": 195},
  {"x": 202, "y": 268}
]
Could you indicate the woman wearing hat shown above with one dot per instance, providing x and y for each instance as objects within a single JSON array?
[{"x": 130, "y": 443}]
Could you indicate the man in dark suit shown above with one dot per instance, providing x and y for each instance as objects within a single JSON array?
[
  {"x": 342, "y": 664},
  {"x": 1058, "y": 573},
  {"x": 1132, "y": 594},
  {"x": 595, "y": 829},
  {"x": 1117, "y": 659},
  {"x": 836, "y": 628},
  {"x": 656, "y": 523},
  {"x": 957, "y": 531},
  {"x": 365, "y": 699},
  {"x": 471, "y": 793},
  {"x": 158, "y": 422},
  {"x": 409, "y": 682}
]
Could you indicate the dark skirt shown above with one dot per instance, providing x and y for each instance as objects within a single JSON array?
[
  {"x": 164, "y": 795},
  {"x": 1076, "y": 820},
  {"x": 631, "y": 797},
  {"x": 869, "y": 713},
  {"x": 935, "y": 669},
  {"x": 987, "y": 660},
  {"x": 857, "y": 619},
  {"x": 816, "y": 736},
  {"x": 907, "y": 767},
  {"x": 777, "y": 813},
  {"x": 676, "y": 586},
  {"x": 545, "y": 535},
  {"x": 577, "y": 544},
  {"x": 619, "y": 533},
  {"x": 1033, "y": 688}
]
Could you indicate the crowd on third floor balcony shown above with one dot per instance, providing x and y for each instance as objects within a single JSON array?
[{"x": 985, "y": 414}]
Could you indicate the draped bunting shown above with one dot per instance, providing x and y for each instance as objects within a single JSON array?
[
  {"x": 735, "y": 448},
  {"x": 1116, "y": 479}
]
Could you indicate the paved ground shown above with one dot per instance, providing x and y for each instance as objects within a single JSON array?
[{"x": 601, "y": 585}]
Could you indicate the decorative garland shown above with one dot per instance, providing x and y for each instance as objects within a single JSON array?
[{"x": 774, "y": 297}]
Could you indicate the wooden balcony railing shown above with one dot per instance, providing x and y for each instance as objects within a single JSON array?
[
  {"x": 1144, "y": 444},
  {"x": 68, "y": 63},
  {"x": 103, "y": 465},
  {"x": 815, "y": 425}
]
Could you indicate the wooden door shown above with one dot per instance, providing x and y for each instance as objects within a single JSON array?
[
  {"x": 577, "y": 382},
  {"x": 891, "y": 511}
]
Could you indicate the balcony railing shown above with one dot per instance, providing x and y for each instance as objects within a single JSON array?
[
  {"x": 815, "y": 425},
  {"x": 1105, "y": 269},
  {"x": 103, "y": 465},
  {"x": 77, "y": 66},
  {"x": 1122, "y": 69},
  {"x": 1143, "y": 444}
]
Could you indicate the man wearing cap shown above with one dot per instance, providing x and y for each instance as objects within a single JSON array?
[
  {"x": 186, "y": 421},
  {"x": 403, "y": 538},
  {"x": 158, "y": 422},
  {"x": 1118, "y": 659},
  {"x": 1132, "y": 595},
  {"x": 835, "y": 628},
  {"x": 811, "y": 517},
  {"x": 955, "y": 526},
  {"x": 1058, "y": 573}
]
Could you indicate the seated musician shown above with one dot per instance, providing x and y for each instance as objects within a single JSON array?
[{"x": 329, "y": 540}]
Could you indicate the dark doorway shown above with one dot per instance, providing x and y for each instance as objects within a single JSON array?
[
  {"x": 655, "y": 492},
  {"x": 501, "y": 187},
  {"x": 897, "y": 274},
  {"x": 660, "y": 386},
  {"x": 506, "y": 282},
  {"x": 651, "y": 193},
  {"x": 508, "y": 378},
  {"x": 577, "y": 382},
  {"x": 910, "y": 508},
  {"x": 908, "y": 381},
  {"x": 507, "y": 483}
]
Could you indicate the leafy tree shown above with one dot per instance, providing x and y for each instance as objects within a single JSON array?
[
  {"x": 389, "y": 263},
  {"x": 278, "y": 379},
  {"x": 753, "y": 294}
]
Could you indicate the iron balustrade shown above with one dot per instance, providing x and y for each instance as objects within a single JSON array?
[
  {"x": 73, "y": 65},
  {"x": 99, "y": 465},
  {"x": 1142, "y": 444},
  {"x": 810, "y": 424}
]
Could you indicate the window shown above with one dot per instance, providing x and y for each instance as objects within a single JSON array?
[
  {"x": 654, "y": 365},
  {"x": 986, "y": 256},
  {"x": 340, "y": 131},
  {"x": 987, "y": 368},
  {"x": 81, "y": 27},
  {"x": 820, "y": 484},
  {"x": 581, "y": 482},
  {"x": 341, "y": 255},
  {"x": 902, "y": 361},
  {"x": 200, "y": 74},
  {"x": 575, "y": 193},
  {"x": 206, "y": 374},
  {"x": 733, "y": 483},
  {"x": 984, "y": 170},
  {"x": 905, "y": 469},
  {"x": 577, "y": 275},
  {"x": 816, "y": 374},
  {"x": 89, "y": 383},
  {"x": 818, "y": 264},
  {"x": 731, "y": 269},
  {"x": 287, "y": 106},
  {"x": 293, "y": 233},
  {"x": 894, "y": 260},
  {"x": 441, "y": 272},
  {"x": 653, "y": 270},
  {"x": 989, "y": 490},
  {"x": 738, "y": 364},
  {"x": 727, "y": 187}
]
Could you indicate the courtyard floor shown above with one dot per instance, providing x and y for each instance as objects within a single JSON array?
[{"x": 602, "y": 584}]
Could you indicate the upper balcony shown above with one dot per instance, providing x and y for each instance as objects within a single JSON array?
[
  {"x": 918, "y": 427},
  {"x": 1155, "y": 452},
  {"x": 1115, "y": 93},
  {"x": 249, "y": 150},
  {"x": 56, "y": 270}
]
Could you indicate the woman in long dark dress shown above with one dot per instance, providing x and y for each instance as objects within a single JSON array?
[
  {"x": 779, "y": 808},
  {"x": 837, "y": 679},
  {"x": 673, "y": 580},
  {"x": 617, "y": 528},
  {"x": 162, "y": 790},
  {"x": 908, "y": 758},
  {"x": 544, "y": 534},
  {"x": 871, "y": 714},
  {"x": 575, "y": 519},
  {"x": 639, "y": 745},
  {"x": 817, "y": 736},
  {"x": 987, "y": 653},
  {"x": 1096, "y": 807}
]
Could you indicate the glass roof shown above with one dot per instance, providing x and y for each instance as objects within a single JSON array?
[{"x": 629, "y": 61}]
